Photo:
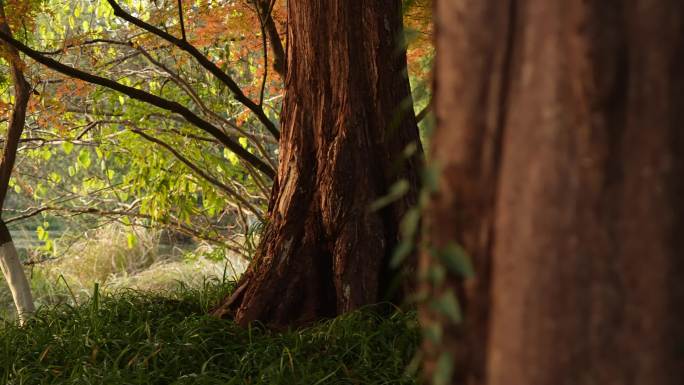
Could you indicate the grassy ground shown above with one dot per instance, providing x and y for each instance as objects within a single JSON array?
[{"x": 132, "y": 337}]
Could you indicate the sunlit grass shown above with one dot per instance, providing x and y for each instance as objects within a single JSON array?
[
  {"x": 131, "y": 337},
  {"x": 106, "y": 257}
]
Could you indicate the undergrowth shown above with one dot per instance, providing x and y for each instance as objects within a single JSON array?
[
  {"x": 107, "y": 257},
  {"x": 133, "y": 337}
]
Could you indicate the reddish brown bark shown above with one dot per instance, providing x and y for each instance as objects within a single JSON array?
[
  {"x": 10, "y": 264},
  {"x": 22, "y": 93},
  {"x": 324, "y": 252},
  {"x": 561, "y": 140}
]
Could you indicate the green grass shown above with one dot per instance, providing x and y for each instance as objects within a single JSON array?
[{"x": 132, "y": 337}]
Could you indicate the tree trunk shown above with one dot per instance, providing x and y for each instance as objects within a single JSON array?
[
  {"x": 560, "y": 138},
  {"x": 13, "y": 271},
  {"x": 346, "y": 122},
  {"x": 10, "y": 265}
]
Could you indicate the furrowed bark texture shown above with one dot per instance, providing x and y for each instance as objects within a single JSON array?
[
  {"x": 346, "y": 121},
  {"x": 561, "y": 143},
  {"x": 10, "y": 265}
]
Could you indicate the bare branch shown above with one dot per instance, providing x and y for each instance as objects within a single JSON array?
[
  {"x": 180, "y": 16},
  {"x": 265, "y": 47},
  {"x": 423, "y": 113}
]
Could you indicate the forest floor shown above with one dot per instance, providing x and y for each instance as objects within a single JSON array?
[{"x": 135, "y": 337}]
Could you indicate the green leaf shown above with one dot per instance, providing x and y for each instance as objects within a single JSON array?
[
  {"x": 67, "y": 147},
  {"x": 42, "y": 233},
  {"x": 55, "y": 177},
  {"x": 433, "y": 333},
  {"x": 409, "y": 224},
  {"x": 447, "y": 305},
  {"x": 456, "y": 259},
  {"x": 131, "y": 239},
  {"x": 410, "y": 149},
  {"x": 84, "y": 158},
  {"x": 436, "y": 274},
  {"x": 443, "y": 370},
  {"x": 234, "y": 160},
  {"x": 402, "y": 251},
  {"x": 243, "y": 141},
  {"x": 39, "y": 191},
  {"x": 49, "y": 245},
  {"x": 396, "y": 191},
  {"x": 46, "y": 154},
  {"x": 431, "y": 177}
]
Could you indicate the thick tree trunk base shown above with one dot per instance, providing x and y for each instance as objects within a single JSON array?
[
  {"x": 346, "y": 124},
  {"x": 302, "y": 276}
]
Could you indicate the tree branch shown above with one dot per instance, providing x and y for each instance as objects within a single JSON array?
[
  {"x": 279, "y": 60},
  {"x": 200, "y": 104},
  {"x": 180, "y": 16},
  {"x": 424, "y": 112},
  {"x": 146, "y": 97},
  {"x": 225, "y": 188},
  {"x": 265, "y": 46},
  {"x": 204, "y": 62},
  {"x": 84, "y": 43},
  {"x": 118, "y": 213}
]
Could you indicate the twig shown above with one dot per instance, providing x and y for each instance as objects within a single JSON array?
[{"x": 180, "y": 16}]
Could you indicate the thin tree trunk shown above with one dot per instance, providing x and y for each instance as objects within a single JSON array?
[
  {"x": 10, "y": 265},
  {"x": 560, "y": 137},
  {"x": 13, "y": 271},
  {"x": 346, "y": 122}
]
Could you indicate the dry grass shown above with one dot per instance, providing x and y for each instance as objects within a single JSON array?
[{"x": 108, "y": 258}]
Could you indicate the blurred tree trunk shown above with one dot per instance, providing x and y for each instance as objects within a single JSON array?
[
  {"x": 11, "y": 266},
  {"x": 346, "y": 122},
  {"x": 560, "y": 141}
]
